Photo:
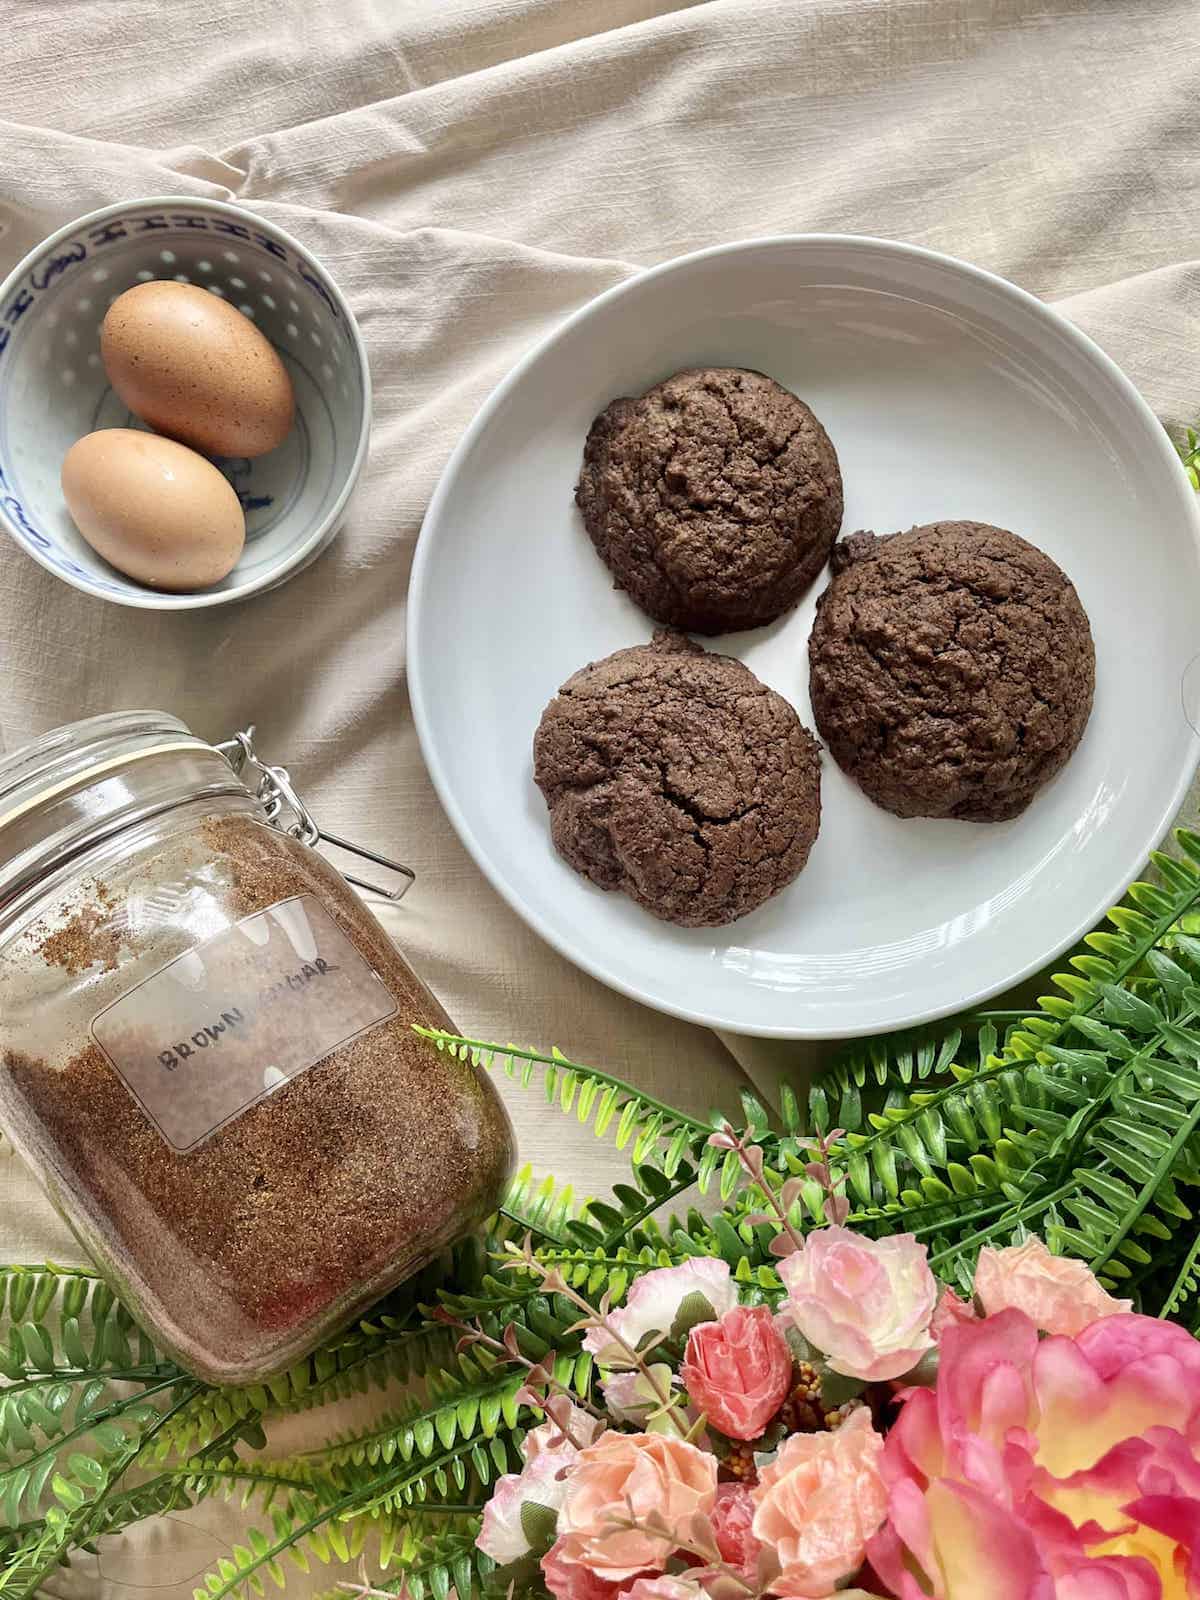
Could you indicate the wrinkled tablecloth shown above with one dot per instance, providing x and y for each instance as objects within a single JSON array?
[{"x": 471, "y": 171}]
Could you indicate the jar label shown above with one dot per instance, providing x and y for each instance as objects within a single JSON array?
[{"x": 224, "y": 1026}]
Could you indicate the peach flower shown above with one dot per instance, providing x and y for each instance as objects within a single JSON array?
[
  {"x": 818, "y": 1503},
  {"x": 864, "y": 1303},
  {"x": 639, "y": 1476},
  {"x": 1048, "y": 1468},
  {"x": 1057, "y": 1294},
  {"x": 664, "y": 1586},
  {"x": 738, "y": 1371}
]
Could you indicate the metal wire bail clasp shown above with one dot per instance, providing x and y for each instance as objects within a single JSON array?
[{"x": 272, "y": 787}]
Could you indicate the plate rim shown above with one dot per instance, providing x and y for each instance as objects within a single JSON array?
[{"x": 422, "y": 559}]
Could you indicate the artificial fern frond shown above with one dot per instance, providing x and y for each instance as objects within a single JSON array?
[
  {"x": 445, "y": 1561},
  {"x": 472, "y": 1403},
  {"x": 536, "y": 1206},
  {"x": 309, "y": 1524},
  {"x": 1186, "y": 1284},
  {"x": 540, "y": 1321},
  {"x": 153, "y": 1498},
  {"x": 302, "y": 1528},
  {"x": 33, "y": 1290},
  {"x": 1082, "y": 1123},
  {"x": 433, "y": 1564},
  {"x": 597, "y": 1099},
  {"x": 375, "y": 1354},
  {"x": 1189, "y": 453},
  {"x": 84, "y": 1486},
  {"x": 593, "y": 1272},
  {"x": 63, "y": 1322}
]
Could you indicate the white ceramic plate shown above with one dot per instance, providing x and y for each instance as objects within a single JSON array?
[{"x": 948, "y": 394}]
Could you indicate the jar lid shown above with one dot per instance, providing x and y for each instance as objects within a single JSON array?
[
  {"x": 69, "y": 787},
  {"x": 85, "y": 781},
  {"x": 74, "y": 754}
]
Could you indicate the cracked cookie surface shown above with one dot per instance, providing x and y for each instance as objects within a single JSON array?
[
  {"x": 951, "y": 669},
  {"x": 675, "y": 776},
  {"x": 713, "y": 499}
]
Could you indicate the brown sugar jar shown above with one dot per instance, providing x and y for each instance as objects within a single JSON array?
[{"x": 206, "y": 1048}]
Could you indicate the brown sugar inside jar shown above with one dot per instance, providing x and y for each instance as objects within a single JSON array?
[{"x": 206, "y": 1053}]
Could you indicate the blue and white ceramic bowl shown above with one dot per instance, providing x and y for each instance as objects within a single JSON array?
[{"x": 53, "y": 388}]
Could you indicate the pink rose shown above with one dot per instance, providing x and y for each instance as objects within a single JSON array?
[
  {"x": 702, "y": 1289},
  {"x": 733, "y": 1528},
  {"x": 568, "y": 1580},
  {"x": 818, "y": 1503},
  {"x": 1048, "y": 1469},
  {"x": 864, "y": 1303},
  {"x": 635, "y": 1476},
  {"x": 1057, "y": 1294},
  {"x": 541, "y": 1485},
  {"x": 948, "y": 1312},
  {"x": 737, "y": 1371},
  {"x": 503, "y": 1533}
]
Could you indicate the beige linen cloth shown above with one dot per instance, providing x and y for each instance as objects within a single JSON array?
[{"x": 471, "y": 171}]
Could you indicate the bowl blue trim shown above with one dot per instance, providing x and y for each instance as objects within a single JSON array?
[{"x": 63, "y": 253}]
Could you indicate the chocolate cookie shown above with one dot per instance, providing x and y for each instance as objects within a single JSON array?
[
  {"x": 713, "y": 500},
  {"x": 952, "y": 669},
  {"x": 678, "y": 777}
]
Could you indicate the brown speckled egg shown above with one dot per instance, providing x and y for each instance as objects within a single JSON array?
[
  {"x": 193, "y": 367},
  {"x": 153, "y": 509}
]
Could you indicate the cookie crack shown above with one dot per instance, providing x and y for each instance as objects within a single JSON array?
[{"x": 699, "y": 817}]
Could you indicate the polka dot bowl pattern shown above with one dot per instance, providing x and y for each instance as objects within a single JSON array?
[{"x": 53, "y": 387}]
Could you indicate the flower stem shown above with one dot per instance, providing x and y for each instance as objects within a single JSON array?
[
  {"x": 553, "y": 1280},
  {"x": 510, "y": 1352},
  {"x": 752, "y": 1166},
  {"x": 692, "y": 1547}
]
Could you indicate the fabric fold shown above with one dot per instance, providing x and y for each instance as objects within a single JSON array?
[{"x": 471, "y": 172}]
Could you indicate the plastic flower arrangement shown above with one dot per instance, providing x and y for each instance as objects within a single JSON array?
[
  {"x": 872, "y": 1434},
  {"x": 943, "y": 1351}
]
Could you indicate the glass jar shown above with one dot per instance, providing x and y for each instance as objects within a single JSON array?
[{"x": 206, "y": 1049}]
